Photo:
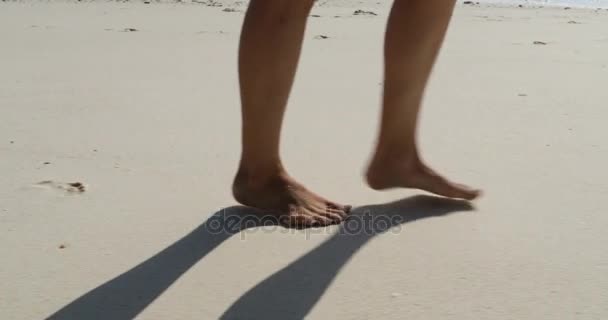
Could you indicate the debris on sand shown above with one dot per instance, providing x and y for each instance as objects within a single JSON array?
[
  {"x": 541, "y": 43},
  {"x": 71, "y": 187},
  {"x": 229, "y": 10},
  {"x": 77, "y": 187},
  {"x": 62, "y": 246},
  {"x": 573, "y": 22},
  {"x": 129, "y": 30},
  {"x": 321, "y": 37},
  {"x": 208, "y": 3},
  {"x": 363, "y": 12}
]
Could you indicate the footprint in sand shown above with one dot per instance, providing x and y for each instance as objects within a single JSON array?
[{"x": 70, "y": 187}]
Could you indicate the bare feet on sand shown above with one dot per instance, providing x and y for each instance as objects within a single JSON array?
[
  {"x": 408, "y": 171},
  {"x": 291, "y": 202},
  {"x": 280, "y": 195},
  {"x": 267, "y": 66}
]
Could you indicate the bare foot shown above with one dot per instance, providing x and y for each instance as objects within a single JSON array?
[
  {"x": 282, "y": 196},
  {"x": 387, "y": 172}
]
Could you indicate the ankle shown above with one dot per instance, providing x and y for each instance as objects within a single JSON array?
[
  {"x": 396, "y": 154},
  {"x": 258, "y": 173}
]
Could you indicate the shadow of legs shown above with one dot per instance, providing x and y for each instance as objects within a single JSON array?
[
  {"x": 293, "y": 291},
  {"x": 131, "y": 292},
  {"x": 288, "y": 294}
]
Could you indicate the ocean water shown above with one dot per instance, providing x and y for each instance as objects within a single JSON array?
[{"x": 561, "y": 3}]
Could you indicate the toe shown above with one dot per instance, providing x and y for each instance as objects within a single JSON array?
[
  {"x": 467, "y": 192},
  {"x": 344, "y": 208},
  {"x": 460, "y": 191},
  {"x": 322, "y": 220},
  {"x": 432, "y": 182},
  {"x": 300, "y": 221},
  {"x": 318, "y": 214},
  {"x": 335, "y": 215},
  {"x": 298, "y": 217},
  {"x": 331, "y": 212}
]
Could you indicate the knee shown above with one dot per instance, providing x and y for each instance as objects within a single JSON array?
[{"x": 282, "y": 10}]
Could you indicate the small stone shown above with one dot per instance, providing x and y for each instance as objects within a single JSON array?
[
  {"x": 315, "y": 15},
  {"x": 567, "y": 8},
  {"x": 539, "y": 43},
  {"x": 76, "y": 187},
  {"x": 62, "y": 246},
  {"x": 46, "y": 162},
  {"x": 12, "y": 141},
  {"x": 522, "y": 95},
  {"x": 129, "y": 30},
  {"x": 229, "y": 10},
  {"x": 573, "y": 22},
  {"x": 468, "y": 2},
  {"x": 321, "y": 37}
]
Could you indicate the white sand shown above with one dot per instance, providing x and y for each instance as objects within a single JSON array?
[{"x": 149, "y": 122}]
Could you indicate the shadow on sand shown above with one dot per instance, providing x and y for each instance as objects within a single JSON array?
[{"x": 290, "y": 293}]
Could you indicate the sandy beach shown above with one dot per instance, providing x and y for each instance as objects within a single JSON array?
[{"x": 120, "y": 135}]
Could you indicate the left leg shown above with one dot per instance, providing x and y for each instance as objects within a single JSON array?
[{"x": 269, "y": 50}]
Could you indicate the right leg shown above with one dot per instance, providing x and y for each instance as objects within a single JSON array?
[
  {"x": 414, "y": 35},
  {"x": 269, "y": 51}
]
